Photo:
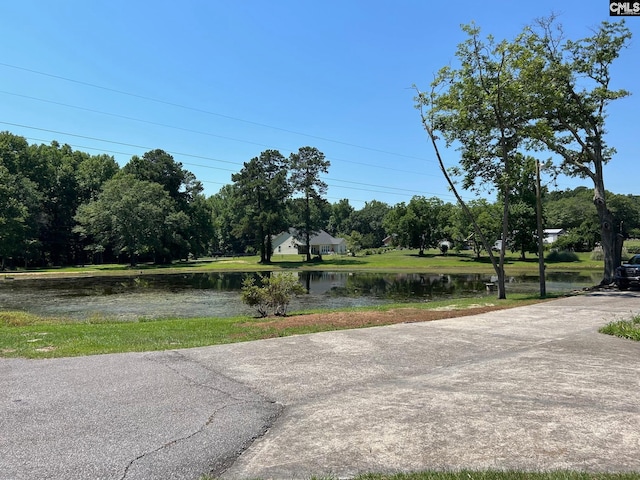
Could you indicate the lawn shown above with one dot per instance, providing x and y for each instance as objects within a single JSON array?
[
  {"x": 25, "y": 335},
  {"x": 389, "y": 261},
  {"x": 29, "y": 336}
]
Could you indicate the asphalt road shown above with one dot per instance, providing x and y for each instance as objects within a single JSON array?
[{"x": 533, "y": 388}]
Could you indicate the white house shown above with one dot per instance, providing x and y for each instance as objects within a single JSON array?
[
  {"x": 552, "y": 234},
  {"x": 321, "y": 244}
]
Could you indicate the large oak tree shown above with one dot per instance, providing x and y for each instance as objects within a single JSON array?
[{"x": 569, "y": 88}]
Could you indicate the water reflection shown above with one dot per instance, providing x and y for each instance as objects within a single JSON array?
[{"x": 217, "y": 293}]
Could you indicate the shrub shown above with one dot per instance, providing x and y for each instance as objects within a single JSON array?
[
  {"x": 571, "y": 241},
  {"x": 633, "y": 249},
  {"x": 598, "y": 253},
  {"x": 274, "y": 293},
  {"x": 557, "y": 256}
]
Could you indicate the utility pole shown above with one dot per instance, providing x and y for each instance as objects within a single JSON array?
[{"x": 541, "y": 266}]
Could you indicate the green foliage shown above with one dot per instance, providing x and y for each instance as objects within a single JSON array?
[
  {"x": 56, "y": 186},
  {"x": 487, "y": 217},
  {"x": 569, "y": 86},
  {"x": 306, "y": 167},
  {"x": 562, "y": 256},
  {"x": 354, "y": 242},
  {"x": 340, "y": 218},
  {"x": 571, "y": 241},
  {"x": 255, "y": 296},
  {"x": 598, "y": 255},
  {"x": 633, "y": 249},
  {"x": 624, "y": 328},
  {"x": 261, "y": 189},
  {"x": 369, "y": 223},
  {"x": 421, "y": 224},
  {"x": 273, "y": 294},
  {"x": 131, "y": 214}
]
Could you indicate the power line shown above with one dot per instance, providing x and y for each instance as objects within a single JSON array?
[
  {"x": 358, "y": 185},
  {"x": 86, "y": 137},
  {"x": 199, "y": 110},
  {"x": 207, "y": 112},
  {"x": 199, "y": 132}
]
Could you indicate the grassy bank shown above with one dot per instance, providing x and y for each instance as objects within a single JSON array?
[
  {"x": 390, "y": 261},
  {"x": 25, "y": 335},
  {"x": 30, "y": 336}
]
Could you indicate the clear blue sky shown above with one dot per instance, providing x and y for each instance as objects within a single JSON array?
[{"x": 216, "y": 82}]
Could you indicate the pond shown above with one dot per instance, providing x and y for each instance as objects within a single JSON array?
[{"x": 218, "y": 294}]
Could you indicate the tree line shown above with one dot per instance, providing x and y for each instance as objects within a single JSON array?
[{"x": 60, "y": 206}]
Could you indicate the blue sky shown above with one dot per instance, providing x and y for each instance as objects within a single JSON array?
[{"x": 215, "y": 83}]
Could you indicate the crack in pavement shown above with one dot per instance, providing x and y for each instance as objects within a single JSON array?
[
  {"x": 189, "y": 369},
  {"x": 171, "y": 443}
]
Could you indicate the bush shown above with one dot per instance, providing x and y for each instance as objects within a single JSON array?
[
  {"x": 571, "y": 241},
  {"x": 274, "y": 293},
  {"x": 633, "y": 249},
  {"x": 557, "y": 256},
  {"x": 598, "y": 254}
]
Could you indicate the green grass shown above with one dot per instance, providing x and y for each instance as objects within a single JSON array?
[
  {"x": 23, "y": 335},
  {"x": 33, "y": 337},
  {"x": 624, "y": 328},
  {"x": 30, "y": 336},
  {"x": 391, "y": 261}
]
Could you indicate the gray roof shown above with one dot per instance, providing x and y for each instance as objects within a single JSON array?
[{"x": 320, "y": 238}]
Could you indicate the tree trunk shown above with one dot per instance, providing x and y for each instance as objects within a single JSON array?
[
  {"x": 268, "y": 248},
  {"x": 307, "y": 221},
  {"x": 263, "y": 256},
  {"x": 611, "y": 239},
  {"x": 498, "y": 267},
  {"x": 541, "y": 267},
  {"x": 502, "y": 290}
]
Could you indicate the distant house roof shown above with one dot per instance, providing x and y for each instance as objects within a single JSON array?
[
  {"x": 552, "y": 231},
  {"x": 323, "y": 238},
  {"x": 320, "y": 238}
]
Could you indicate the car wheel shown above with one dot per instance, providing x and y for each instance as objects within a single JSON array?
[{"x": 623, "y": 286}]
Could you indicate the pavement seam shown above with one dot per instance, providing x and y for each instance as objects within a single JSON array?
[{"x": 174, "y": 354}]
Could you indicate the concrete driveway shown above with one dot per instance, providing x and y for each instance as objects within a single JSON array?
[{"x": 533, "y": 388}]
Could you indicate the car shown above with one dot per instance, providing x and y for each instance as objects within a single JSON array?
[{"x": 628, "y": 274}]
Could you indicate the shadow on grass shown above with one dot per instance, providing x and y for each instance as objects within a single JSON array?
[
  {"x": 458, "y": 257},
  {"x": 323, "y": 263}
]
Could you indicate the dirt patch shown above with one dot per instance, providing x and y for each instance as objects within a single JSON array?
[{"x": 372, "y": 318}]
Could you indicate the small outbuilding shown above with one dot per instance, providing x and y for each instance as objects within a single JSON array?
[{"x": 552, "y": 234}]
